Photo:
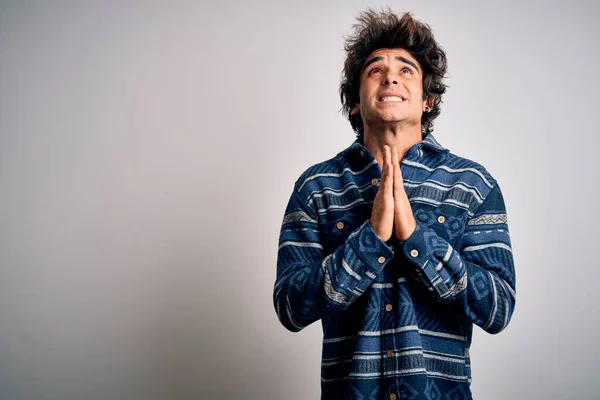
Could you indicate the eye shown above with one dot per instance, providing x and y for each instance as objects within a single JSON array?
[
  {"x": 406, "y": 70},
  {"x": 374, "y": 70}
]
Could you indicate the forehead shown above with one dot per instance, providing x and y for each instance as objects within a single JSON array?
[{"x": 391, "y": 54}]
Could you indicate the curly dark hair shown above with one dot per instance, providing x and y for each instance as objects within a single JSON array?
[{"x": 386, "y": 29}]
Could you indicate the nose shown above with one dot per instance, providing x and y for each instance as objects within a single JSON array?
[{"x": 390, "y": 80}]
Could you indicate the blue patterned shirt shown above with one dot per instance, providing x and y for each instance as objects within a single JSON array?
[{"x": 397, "y": 317}]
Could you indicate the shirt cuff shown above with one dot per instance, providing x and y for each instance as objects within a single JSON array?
[
  {"x": 370, "y": 248},
  {"x": 418, "y": 250}
]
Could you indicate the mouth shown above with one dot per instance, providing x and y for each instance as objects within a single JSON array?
[{"x": 390, "y": 98}]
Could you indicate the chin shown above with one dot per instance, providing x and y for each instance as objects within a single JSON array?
[{"x": 391, "y": 118}]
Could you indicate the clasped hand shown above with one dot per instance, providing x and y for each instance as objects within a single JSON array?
[{"x": 391, "y": 209}]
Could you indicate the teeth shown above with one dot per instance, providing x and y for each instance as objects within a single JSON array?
[{"x": 391, "y": 98}]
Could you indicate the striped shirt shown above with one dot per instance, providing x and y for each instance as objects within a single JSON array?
[{"x": 397, "y": 317}]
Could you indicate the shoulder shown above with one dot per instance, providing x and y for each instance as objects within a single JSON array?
[
  {"x": 468, "y": 170},
  {"x": 325, "y": 173},
  {"x": 452, "y": 168}
]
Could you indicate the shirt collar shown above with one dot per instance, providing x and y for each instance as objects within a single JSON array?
[{"x": 429, "y": 142}]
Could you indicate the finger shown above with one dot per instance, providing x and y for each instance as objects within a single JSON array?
[
  {"x": 399, "y": 168},
  {"x": 398, "y": 184},
  {"x": 399, "y": 173},
  {"x": 395, "y": 156},
  {"x": 389, "y": 173},
  {"x": 384, "y": 162}
]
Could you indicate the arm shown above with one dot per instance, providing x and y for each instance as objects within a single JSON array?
[
  {"x": 479, "y": 278},
  {"x": 311, "y": 284}
]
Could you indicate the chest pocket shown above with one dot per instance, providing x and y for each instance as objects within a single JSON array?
[
  {"x": 447, "y": 225},
  {"x": 335, "y": 232}
]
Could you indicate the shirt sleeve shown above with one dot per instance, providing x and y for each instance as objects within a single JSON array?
[
  {"x": 311, "y": 284},
  {"x": 480, "y": 276}
]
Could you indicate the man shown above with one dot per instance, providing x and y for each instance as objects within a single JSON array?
[{"x": 396, "y": 244}]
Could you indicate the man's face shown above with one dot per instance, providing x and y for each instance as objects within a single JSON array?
[{"x": 391, "y": 88}]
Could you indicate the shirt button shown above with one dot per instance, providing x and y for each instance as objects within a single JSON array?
[
  {"x": 362, "y": 153},
  {"x": 381, "y": 260},
  {"x": 390, "y": 353},
  {"x": 392, "y": 396},
  {"x": 340, "y": 225},
  {"x": 414, "y": 252},
  {"x": 441, "y": 219},
  {"x": 374, "y": 181},
  {"x": 388, "y": 308}
]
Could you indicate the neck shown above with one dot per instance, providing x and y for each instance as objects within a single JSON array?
[{"x": 403, "y": 139}]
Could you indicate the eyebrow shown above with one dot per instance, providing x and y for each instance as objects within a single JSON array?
[{"x": 399, "y": 58}]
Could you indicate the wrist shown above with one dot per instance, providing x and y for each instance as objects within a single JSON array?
[{"x": 408, "y": 230}]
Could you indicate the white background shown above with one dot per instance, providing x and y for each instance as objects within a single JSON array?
[{"x": 148, "y": 150}]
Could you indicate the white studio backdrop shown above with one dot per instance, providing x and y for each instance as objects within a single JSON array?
[{"x": 148, "y": 150}]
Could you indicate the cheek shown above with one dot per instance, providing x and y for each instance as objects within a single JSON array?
[
  {"x": 367, "y": 89},
  {"x": 417, "y": 88}
]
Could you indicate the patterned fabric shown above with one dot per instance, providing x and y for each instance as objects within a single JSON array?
[{"x": 397, "y": 317}]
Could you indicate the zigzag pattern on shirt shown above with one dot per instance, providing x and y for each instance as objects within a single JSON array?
[
  {"x": 488, "y": 219},
  {"x": 297, "y": 216}
]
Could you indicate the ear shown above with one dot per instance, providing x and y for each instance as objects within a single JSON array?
[
  {"x": 427, "y": 104},
  {"x": 355, "y": 110}
]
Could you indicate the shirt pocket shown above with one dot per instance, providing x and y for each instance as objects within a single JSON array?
[
  {"x": 335, "y": 232},
  {"x": 448, "y": 225}
]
